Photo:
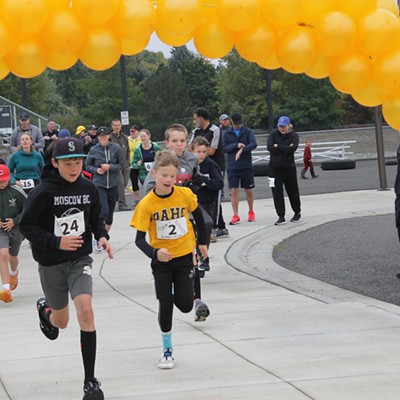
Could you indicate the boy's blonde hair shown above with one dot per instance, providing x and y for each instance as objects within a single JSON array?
[
  {"x": 165, "y": 158},
  {"x": 308, "y": 140},
  {"x": 200, "y": 141},
  {"x": 175, "y": 127}
]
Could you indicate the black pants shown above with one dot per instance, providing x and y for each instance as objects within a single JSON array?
[
  {"x": 174, "y": 286},
  {"x": 285, "y": 177}
]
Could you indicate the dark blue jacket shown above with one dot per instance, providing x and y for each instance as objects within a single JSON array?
[
  {"x": 230, "y": 142},
  {"x": 213, "y": 181}
]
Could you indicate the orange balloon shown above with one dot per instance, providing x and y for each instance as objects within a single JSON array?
[
  {"x": 61, "y": 61},
  {"x": 351, "y": 72},
  {"x": 270, "y": 62},
  {"x": 370, "y": 96},
  {"x": 386, "y": 72},
  {"x": 356, "y": 8},
  {"x": 27, "y": 58},
  {"x": 55, "y": 5},
  {"x": 67, "y": 39},
  {"x": 390, "y": 5},
  {"x": 391, "y": 111},
  {"x": 4, "y": 71},
  {"x": 6, "y": 39},
  {"x": 239, "y": 14},
  {"x": 101, "y": 48},
  {"x": 211, "y": 38},
  {"x": 312, "y": 10},
  {"x": 135, "y": 19},
  {"x": 257, "y": 42},
  {"x": 282, "y": 13},
  {"x": 377, "y": 31},
  {"x": 180, "y": 17},
  {"x": 296, "y": 50},
  {"x": 95, "y": 12},
  {"x": 26, "y": 17},
  {"x": 336, "y": 34},
  {"x": 173, "y": 39},
  {"x": 320, "y": 68},
  {"x": 131, "y": 46}
]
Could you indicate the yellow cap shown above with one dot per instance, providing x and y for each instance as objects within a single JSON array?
[{"x": 79, "y": 129}]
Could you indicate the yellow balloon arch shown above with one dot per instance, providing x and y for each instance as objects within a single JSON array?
[{"x": 356, "y": 44}]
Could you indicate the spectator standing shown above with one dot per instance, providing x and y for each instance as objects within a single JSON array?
[
  {"x": 51, "y": 135},
  {"x": 26, "y": 126},
  {"x": 239, "y": 142},
  {"x": 118, "y": 137},
  {"x": 134, "y": 140},
  {"x": 282, "y": 143},
  {"x": 90, "y": 138},
  {"x": 224, "y": 123},
  {"x": 80, "y": 132}
]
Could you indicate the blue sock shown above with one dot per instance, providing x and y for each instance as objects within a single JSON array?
[{"x": 166, "y": 340}]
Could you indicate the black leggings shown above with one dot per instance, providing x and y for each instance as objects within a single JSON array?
[
  {"x": 134, "y": 176},
  {"x": 174, "y": 286}
]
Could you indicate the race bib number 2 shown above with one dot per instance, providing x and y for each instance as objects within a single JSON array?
[
  {"x": 172, "y": 229},
  {"x": 71, "y": 225}
]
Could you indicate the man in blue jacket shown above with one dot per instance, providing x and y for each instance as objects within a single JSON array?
[{"x": 239, "y": 141}]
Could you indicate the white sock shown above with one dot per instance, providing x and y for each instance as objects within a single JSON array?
[
  {"x": 11, "y": 272},
  {"x": 6, "y": 286}
]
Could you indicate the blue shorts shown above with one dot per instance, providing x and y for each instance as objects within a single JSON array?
[{"x": 244, "y": 177}]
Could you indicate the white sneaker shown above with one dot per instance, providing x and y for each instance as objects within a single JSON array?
[{"x": 166, "y": 361}]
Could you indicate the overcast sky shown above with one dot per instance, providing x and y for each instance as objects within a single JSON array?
[{"x": 156, "y": 44}]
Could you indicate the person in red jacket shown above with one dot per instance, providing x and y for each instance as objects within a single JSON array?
[{"x": 307, "y": 160}]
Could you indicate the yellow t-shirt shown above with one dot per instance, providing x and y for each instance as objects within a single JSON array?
[
  {"x": 133, "y": 143},
  {"x": 167, "y": 220}
]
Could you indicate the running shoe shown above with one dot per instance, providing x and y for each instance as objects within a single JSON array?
[
  {"x": 204, "y": 265},
  {"x": 213, "y": 236},
  {"x": 5, "y": 295},
  {"x": 14, "y": 281},
  {"x": 252, "y": 216},
  {"x": 201, "y": 311},
  {"x": 222, "y": 233},
  {"x": 296, "y": 217},
  {"x": 166, "y": 360},
  {"x": 280, "y": 221},
  {"x": 235, "y": 220},
  {"x": 48, "y": 330},
  {"x": 92, "y": 391}
]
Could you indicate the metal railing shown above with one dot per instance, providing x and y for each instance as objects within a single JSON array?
[{"x": 320, "y": 150}]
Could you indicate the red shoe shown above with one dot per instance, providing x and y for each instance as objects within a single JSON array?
[
  {"x": 252, "y": 216},
  {"x": 235, "y": 219},
  {"x": 14, "y": 281}
]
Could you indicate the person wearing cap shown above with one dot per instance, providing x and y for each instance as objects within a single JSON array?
[
  {"x": 239, "y": 142},
  {"x": 80, "y": 132},
  {"x": 282, "y": 143},
  {"x": 51, "y": 134},
  {"x": 134, "y": 141},
  {"x": 90, "y": 139},
  {"x": 26, "y": 164},
  {"x": 48, "y": 154},
  {"x": 118, "y": 137},
  {"x": 33, "y": 130},
  {"x": 224, "y": 123},
  {"x": 59, "y": 219},
  {"x": 105, "y": 162},
  {"x": 12, "y": 200}
]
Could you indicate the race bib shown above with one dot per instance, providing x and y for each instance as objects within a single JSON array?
[
  {"x": 27, "y": 183},
  {"x": 271, "y": 182},
  {"x": 148, "y": 166},
  {"x": 71, "y": 225},
  {"x": 172, "y": 229}
]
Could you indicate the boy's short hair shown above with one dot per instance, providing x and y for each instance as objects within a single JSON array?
[
  {"x": 165, "y": 158},
  {"x": 175, "y": 127},
  {"x": 200, "y": 141}
]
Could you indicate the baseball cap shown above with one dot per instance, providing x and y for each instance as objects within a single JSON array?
[
  {"x": 135, "y": 127},
  {"x": 283, "y": 121},
  {"x": 236, "y": 118},
  {"x": 4, "y": 173},
  {"x": 24, "y": 116},
  {"x": 91, "y": 127},
  {"x": 64, "y": 133},
  {"x": 103, "y": 130},
  {"x": 68, "y": 148},
  {"x": 222, "y": 117},
  {"x": 79, "y": 129}
]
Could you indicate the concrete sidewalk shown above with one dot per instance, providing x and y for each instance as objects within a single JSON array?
[{"x": 293, "y": 339}]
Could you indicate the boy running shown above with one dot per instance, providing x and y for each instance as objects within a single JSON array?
[
  {"x": 164, "y": 213},
  {"x": 59, "y": 218}
]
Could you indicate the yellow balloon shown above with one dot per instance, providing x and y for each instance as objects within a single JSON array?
[
  {"x": 312, "y": 10},
  {"x": 320, "y": 68},
  {"x": 61, "y": 61},
  {"x": 135, "y": 19},
  {"x": 26, "y": 17},
  {"x": 377, "y": 31},
  {"x": 256, "y": 42},
  {"x": 351, "y": 72},
  {"x": 180, "y": 17},
  {"x": 356, "y": 8},
  {"x": 6, "y": 39},
  {"x": 101, "y": 48},
  {"x": 66, "y": 39},
  {"x": 386, "y": 72},
  {"x": 55, "y": 5},
  {"x": 173, "y": 39},
  {"x": 27, "y": 58},
  {"x": 270, "y": 62},
  {"x": 239, "y": 14},
  {"x": 296, "y": 50},
  {"x": 211, "y": 38},
  {"x": 4, "y": 70},
  {"x": 370, "y": 96},
  {"x": 336, "y": 34},
  {"x": 131, "y": 46},
  {"x": 95, "y": 12},
  {"x": 390, "y": 5},
  {"x": 282, "y": 13},
  {"x": 391, "y": 111}
]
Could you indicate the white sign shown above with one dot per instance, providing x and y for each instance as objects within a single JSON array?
[{"x": 125, "y": 117}]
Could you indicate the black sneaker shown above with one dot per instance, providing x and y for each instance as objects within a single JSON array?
[
  {"x": 222, "y": 233},
  {"x": 50, "y": 331},
  {"x": 204, "y": 265},
  {"x": 296, "y": 217},
  {"x": 201, "y": 311},
  {"x": 280, "y": 221},
  {"x": 92, "y": 390}
]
